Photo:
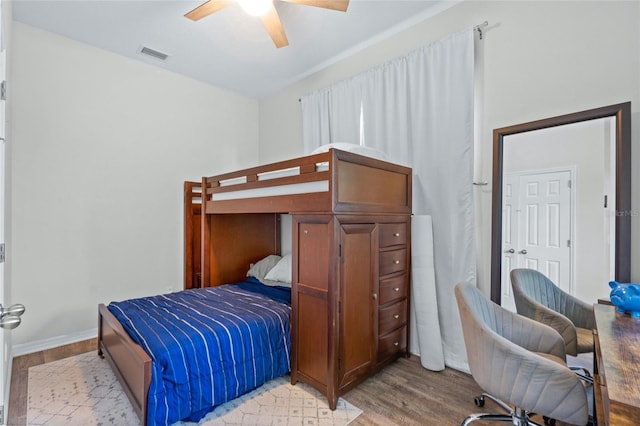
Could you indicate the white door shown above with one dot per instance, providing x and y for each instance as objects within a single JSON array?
[
  {"x": 510, "y": 226},
  {"x": 538, "y": 232}
]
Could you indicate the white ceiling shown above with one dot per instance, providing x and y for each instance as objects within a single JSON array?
[{"x": 228, "y": 49}]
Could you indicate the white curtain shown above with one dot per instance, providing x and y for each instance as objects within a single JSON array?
[
  {"x": 426, "y": 337},
  {"x": 315, "y": 120},
  {"x": 332, "y": 115},
  {"x": 418, "y": 109}
]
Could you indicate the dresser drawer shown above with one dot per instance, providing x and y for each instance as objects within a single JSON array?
[
  {"x": 393, "y": 261},
  {"x": 393, "y": 234},
  {"x": 392, "y": 317},
  {"x": 394, "y": 288},
  {"x": 392, "y": 344}
]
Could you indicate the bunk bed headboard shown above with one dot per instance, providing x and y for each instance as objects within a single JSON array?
[{"x": 231, "y": 242}]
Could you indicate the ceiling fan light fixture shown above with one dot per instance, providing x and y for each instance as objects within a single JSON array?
[
  {"x": 266, "y": 11},
  {"x": 256, "y": 7}
]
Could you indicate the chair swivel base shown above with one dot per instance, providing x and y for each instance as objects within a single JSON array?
[{"x": 517, "y": 416}]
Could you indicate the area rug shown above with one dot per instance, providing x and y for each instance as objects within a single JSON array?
[{"x": 82, "y": 390}]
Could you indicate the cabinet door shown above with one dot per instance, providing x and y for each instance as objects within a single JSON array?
[
  {"x": 310, "y": 301},
  {"x": 357, "y": 306}
]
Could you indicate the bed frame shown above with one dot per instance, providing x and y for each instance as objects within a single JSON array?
[
  {"x": 192, "y": 220},
  {"x": 224, "y": 236},
  {"x": 130, "y": 363}
]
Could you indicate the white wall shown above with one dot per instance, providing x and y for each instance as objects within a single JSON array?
[
  {"x": 100, "y": 147},
  {"x": 540, "y": 59}
]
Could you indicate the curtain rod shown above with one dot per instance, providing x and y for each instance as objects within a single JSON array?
[{"x": 478, "y": 28}]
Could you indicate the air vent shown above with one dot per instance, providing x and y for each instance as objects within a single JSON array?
[{"x": 154, "y": 53}]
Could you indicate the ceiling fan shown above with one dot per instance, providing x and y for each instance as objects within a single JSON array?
[{"x": 266, "y": 10}]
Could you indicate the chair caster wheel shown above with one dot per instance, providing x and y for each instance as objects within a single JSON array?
[
  {"x": 548, "y": 421},
  {"x": 479, "y": 401}
]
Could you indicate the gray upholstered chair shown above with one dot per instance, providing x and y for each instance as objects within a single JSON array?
[
  {"x": 519, "y": 361},
  {"x": 538, "y": 298}
]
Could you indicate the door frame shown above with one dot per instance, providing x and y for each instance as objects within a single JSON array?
[{"x": 6, "y": 360}]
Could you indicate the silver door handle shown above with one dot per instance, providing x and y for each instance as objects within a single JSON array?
[
  {"x": 10, "y": 321},
  {"x": 510, "y": 251},
  {"x": 523, "y": 251},
  {"x": 10, "y": 317},
  {"x": 15, "y": 310}
]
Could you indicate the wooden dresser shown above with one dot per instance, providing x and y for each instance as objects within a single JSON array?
[
  {"x": 616, "y": 367},
  {"x": 351, "y": 284}
]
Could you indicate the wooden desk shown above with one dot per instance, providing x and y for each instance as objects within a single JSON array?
[{"x": 616, "y": 367}]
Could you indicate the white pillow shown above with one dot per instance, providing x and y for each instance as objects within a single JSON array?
[
  {"x": 282, "y": 271},
  {"x": 263, "y": 266}
]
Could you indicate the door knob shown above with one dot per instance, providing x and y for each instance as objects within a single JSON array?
[
  {"x": 523, "y": 251},
  {"x": 510, "y": 251},
  {"x": 15, "y": 310},
  {"x": 10, "y": 321},
  {"x": 10, "y": 317}
]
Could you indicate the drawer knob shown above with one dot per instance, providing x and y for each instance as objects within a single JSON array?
[
  {"x": 396, "y": 261},
  {"x": 375, "y": 296},
  {"x": 396, "y": 343},
  {"x": 397, "y": 234},
  {"x": 396, "y": 289},
  {"x": 396, "y": 316}
]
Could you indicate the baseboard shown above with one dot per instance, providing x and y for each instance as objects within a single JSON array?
[{"x": 53, "y": 342}]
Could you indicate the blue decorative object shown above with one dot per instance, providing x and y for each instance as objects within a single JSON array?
[{"x": 626, "y": 297}]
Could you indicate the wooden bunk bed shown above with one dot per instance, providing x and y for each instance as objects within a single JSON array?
[{"x": 350, "y": 263}]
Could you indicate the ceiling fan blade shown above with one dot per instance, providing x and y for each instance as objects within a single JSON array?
[
  {"x": 272, "y": 23},
  {"x": 206, "y": 9},
  {"x": 340, "y": 5}
]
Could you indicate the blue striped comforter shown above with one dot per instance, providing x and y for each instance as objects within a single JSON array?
[{"x": 208, "y": 346}]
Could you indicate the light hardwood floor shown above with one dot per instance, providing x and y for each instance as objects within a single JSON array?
[{"x": 403, "y": 393}]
